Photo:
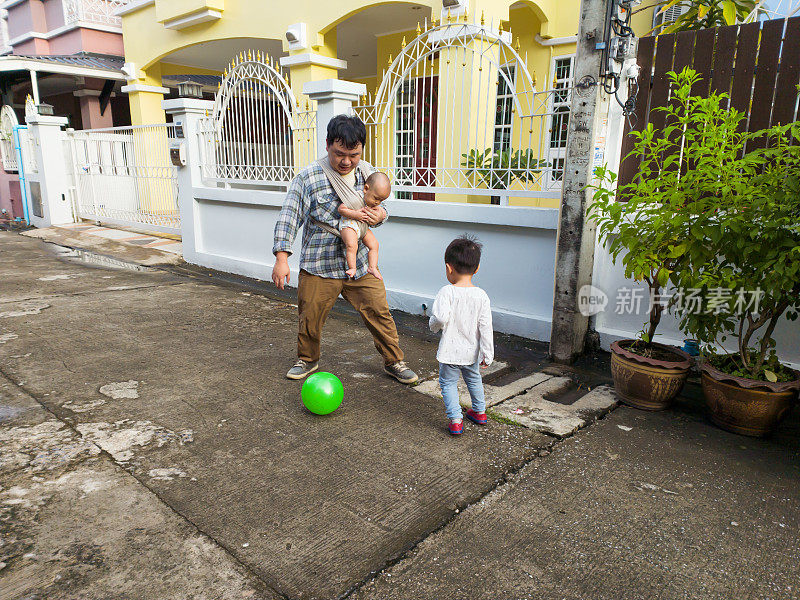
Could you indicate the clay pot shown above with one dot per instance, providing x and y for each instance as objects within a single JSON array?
[
  {"x": 746, "y": 406},
  {"x": 647, "y": 383}
]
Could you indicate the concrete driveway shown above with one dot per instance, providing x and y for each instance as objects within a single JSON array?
[{"x": 150, "y": 447}]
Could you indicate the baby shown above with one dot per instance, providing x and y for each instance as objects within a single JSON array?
[{"x": 376, "y": 189}]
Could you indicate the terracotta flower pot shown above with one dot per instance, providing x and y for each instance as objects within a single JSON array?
[
  {"x": 648, "y": 383},
  {"x": 747, "y": 406}
]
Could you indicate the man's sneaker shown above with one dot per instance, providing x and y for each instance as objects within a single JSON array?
[
  {"x": 401, "y": 372},
  {"x": 476, "y": 417},
  {"x": 302, "y": 369},
  {"x": 455, "y": 427}
]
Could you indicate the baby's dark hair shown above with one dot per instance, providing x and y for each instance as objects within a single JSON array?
[
  {"x": 464, "y": 254},
  {"x": 375, "y": 177}
]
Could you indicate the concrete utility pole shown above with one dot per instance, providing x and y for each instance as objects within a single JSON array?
[{"x": 576, "y": 235}]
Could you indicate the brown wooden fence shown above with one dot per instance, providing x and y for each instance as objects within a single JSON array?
[{"x": 758, "y": 64}]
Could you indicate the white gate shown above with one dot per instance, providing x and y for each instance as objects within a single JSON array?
[
  {"x": 124, "y": 176},
  {"x": 458, "y": 113},
  {"x": 258, "y": 131},
  {"x": 8, "y": 149}
]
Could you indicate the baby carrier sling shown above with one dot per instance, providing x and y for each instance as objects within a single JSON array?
[{"x": 347, "y": 194}]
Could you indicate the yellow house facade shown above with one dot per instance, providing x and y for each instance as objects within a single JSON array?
[{"x": 480, "y": 93}]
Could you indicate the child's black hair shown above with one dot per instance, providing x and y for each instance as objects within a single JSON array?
[
  {"x": 464, "y": 254},
  {"x": 350, "y": 131}
]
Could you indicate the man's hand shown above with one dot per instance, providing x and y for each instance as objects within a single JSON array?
[
  {"x": 374, "y": 216},
  {"x": 280, "y": 272},
  {"x": 484, "y": 365}
]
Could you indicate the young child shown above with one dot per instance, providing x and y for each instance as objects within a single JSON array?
[
  {"x": 376, "y": 189},
  {"x": 461, "y": 310}
]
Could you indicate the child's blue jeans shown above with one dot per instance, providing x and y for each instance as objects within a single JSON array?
[{"x": 448, "y": 381}]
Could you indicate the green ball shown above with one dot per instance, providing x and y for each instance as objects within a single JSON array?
[{"x": 322, "y": 393}]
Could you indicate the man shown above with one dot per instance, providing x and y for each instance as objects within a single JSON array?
[{"x": 322, "y": 263}]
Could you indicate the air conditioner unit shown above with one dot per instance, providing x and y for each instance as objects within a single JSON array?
[{"x": 662, "y": 18}]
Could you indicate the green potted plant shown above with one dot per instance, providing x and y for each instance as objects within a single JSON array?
[
  {"x": 647, "y": 226},
  {"x": 752, "y": 230}
]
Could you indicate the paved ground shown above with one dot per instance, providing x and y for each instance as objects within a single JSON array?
[
  {"x": 171, "y": 244},
  {"x": 150, "y": 448}
]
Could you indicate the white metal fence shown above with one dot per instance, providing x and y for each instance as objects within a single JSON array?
[
  {"x": 8, "y": 149},
  {"x": 258, "y": 131},
  {"x": 123, "y": 175},
  {"x": 434, "y": 128}
]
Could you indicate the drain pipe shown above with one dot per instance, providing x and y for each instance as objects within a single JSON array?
[{"x": 21, "y": 172}]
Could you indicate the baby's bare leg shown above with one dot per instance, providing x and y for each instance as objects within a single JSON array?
[
  {"x": 350, "y": 239},
  {"x": 371, "y": 242}
]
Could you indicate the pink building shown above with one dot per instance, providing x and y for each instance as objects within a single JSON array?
[{"x": 65, "y": 53}]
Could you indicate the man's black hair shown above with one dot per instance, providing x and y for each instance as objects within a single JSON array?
[
  {"x": 350, "y": 131},
  {"x": 464, "y": 254}
]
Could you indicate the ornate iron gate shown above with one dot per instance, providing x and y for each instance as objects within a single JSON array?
[
  {"x": 457, "y": 112},
  {"x": 258, "y": 132}
]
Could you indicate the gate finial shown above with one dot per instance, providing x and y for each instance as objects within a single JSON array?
[
  {"x": 390, "y": 59},
  {"x": 403, "y": 43},
  {"x": 483, "y": 18},
  {"x": 419, "y": 29},
  {"x": 449, "y": 18},
  {"x": 249, "y": 55},
  {"x": 465, "y": 16}
]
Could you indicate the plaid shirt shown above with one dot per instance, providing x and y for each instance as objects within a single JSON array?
[{"x": 311, "y": 195}]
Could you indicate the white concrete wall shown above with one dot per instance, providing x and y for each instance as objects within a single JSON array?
[
  {"x": 611, "y": 326},
  {"x": 233, "y": 232}
]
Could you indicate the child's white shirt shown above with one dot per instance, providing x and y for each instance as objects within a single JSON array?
[{"x": 465, "y": 317}]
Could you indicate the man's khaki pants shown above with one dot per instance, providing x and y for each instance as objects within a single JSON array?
[{"x": 316, "y": 296}]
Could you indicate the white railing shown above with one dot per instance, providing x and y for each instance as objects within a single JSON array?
[
  {"x": 93, "y": 11},
  {"x": 9, "y": 153},
  {"x": 124, "y": 175},
  {"x": 258, "y": 132},
  {"x": 457, "y": 112}
]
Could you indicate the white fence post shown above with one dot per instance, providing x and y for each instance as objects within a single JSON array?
[
  {"x": 333, "y": 97},
  {"x": 186, "y": 114},
  {"x": 49, "y": 186}
]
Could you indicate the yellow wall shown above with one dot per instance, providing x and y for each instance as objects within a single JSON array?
[
  {"x": 174, "y": 9},
  {"x": 240, "y": 19},
  {"x": 148, "y": 42},
  {"x": 172, "y": 69}
]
